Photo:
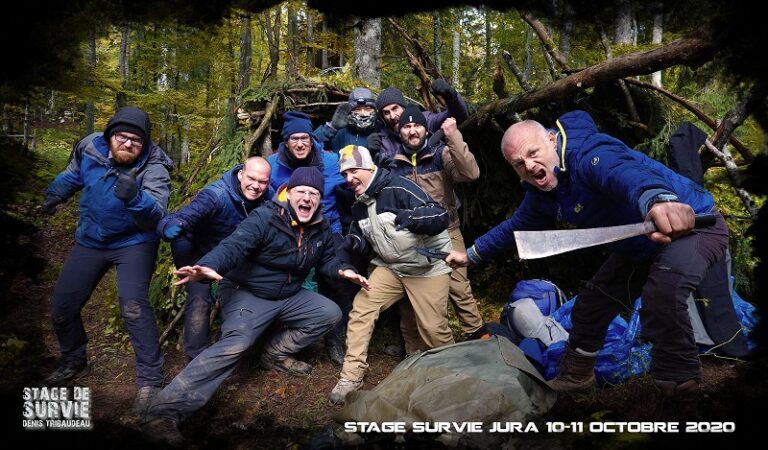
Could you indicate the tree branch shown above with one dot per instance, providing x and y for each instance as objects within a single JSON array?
[
  {"x": 423, "y": 55},
  {"x": 516, "y": 71},
  {"x": 737, "y": 144},
  {"x": 265, "y": 121},
  {"x": 549, "y": 44},
  {"x": 733, "y": 175}
]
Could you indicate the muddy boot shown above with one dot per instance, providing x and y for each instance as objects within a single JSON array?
[
  {"x": 165, "y": 432},
  {"x": 577, "y": 372},
  {"x": 679, "y": 402}
]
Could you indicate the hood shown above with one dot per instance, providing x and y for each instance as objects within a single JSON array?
[{"x": 133, "y": 117}]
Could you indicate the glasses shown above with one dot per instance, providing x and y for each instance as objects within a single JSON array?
[
  {"x": 297, "y": 139},
  {"x": 312, "y": 194},
  {"x": 121, "y": 138}
]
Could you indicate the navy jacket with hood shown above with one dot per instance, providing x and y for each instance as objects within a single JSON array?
[
  {"x": 105, "y": 221},
  {"x": 601, "y": 182},
  {"x": 327, "y": 163},
  {"x": 215, "y": 212},
  {"x": 270, "y": 254}
]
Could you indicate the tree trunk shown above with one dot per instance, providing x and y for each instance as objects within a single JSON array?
[
  {"x": 658, "y": 28},
  {"x": 292, "y": 45},
  {"x": 528, "y": 64},
  {"x": 121, "y": 99},
  {"x": 437, "y": 39},
  {"x": 324, "y": 51},
  {"x": 456, "y": 59},
  {"x": 486, "y": 15},
  {"x": 566, "y": 30},
  {"x": 368, "y": 52},
  {"x": 91, "y": 60},
  {"x": 244, "y": 74},
  {"x": 310, "y": 40},
  {"x": 624, "y": 19},
  {"x": 272, "y": 32}
]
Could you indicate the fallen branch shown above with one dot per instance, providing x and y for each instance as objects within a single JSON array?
[
  {"x": 733, "y": 175},
  {"x": 546, "y": 40},
  {"x": 429, "y": 65},
  {"x": 624, "y": 89},
  {"x": 708, "y": 121},
  {"x": 516, "y": 71},
  {"x": 421, "y": 74},
  {"x": 172, "y": 325},
  {"x": 253, "y": 137}
]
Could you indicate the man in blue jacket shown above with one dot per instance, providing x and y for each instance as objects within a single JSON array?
[
  {"x": 300, "y": 148},
  {"x": 578, "y": 175},
  {"x": 197, "y": 228},
  {"x": 125, "y": 183},
  {"x": 263, "y": 263}
]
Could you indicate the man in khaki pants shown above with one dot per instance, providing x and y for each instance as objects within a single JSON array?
[
  {"x": 436, "y": 167},
  {"x": 392, "y": 216}
]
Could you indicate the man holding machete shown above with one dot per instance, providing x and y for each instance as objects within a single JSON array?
[{"x": 578, "y": 175}]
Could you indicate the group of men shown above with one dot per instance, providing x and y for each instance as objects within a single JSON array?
[{"x": 367, "y": 188}]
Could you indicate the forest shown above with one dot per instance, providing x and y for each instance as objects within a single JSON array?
[{"x": 216, "y": 78}]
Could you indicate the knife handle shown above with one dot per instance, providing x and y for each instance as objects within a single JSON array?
[{"x": 704, "y": 220}]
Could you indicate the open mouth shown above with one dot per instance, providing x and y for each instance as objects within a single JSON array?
[
  {"x": 304, "y": 210},
  {"x": 540, "y": 175}
]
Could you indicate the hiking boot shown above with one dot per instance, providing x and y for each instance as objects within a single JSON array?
[
  {"x": 66, "y": 372},
  {"x": 165, "y": 431},
  {"x": 285, "y": 364},
  {"x": 342, "y": 388},
  {"x": 336, "y": 354},
  {"x": 144, "y": 398},
  {"x": 396, "y": 350},
  {"x": 577, "y": 372},
  {"x": 679, "y": 402}
]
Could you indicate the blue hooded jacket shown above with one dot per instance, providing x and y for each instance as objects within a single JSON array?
[
  {"x": 327, "y": 163},
  {"x": 214, "y": 212},
  {"x": 601, "y": 182},
  {"x": 105, "y": 221}
]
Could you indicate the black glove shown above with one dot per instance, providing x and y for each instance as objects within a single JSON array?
[
  {"x": 403, "y": 218},
  {"x": 353, "y": 244},
  {"x": 375, "y": 142},
  {"x": 49, "y": 205},
  {"x": 441, "y": 88},
  {"x": 340, "y": 118},
  {"x": 126, "y": 187}
]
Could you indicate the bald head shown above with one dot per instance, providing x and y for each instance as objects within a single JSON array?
[
  {"x": 254, "y": 177},
  {"x": 531, "y": 150}
]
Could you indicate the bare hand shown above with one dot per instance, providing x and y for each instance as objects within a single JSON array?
[
  {"x": 672, "y": 219},
  {"x": 196, "y": 273},
  {"x": 355, "y": 277},
  {"x": 449, "y": 126},
  {"x": 457, "y": 259}
]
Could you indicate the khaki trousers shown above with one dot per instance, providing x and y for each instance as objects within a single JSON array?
[{"x": 428, "y": 298}]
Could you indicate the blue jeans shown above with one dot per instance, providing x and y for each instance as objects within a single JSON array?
[
  {"x": 197, "y": 309},
  {"x": 306, "y": 316},
  {"x": 80, "y": 275}
]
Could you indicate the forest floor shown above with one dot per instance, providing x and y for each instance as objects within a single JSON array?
[{"x": 257, "y": 408}]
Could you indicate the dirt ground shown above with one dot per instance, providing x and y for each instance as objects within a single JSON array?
[{"x": 265, "y": 409}]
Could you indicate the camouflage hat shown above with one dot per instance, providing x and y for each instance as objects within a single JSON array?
[{"x": 355, "y": 157}]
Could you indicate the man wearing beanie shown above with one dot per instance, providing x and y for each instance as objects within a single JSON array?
[
  {"x": 390, "y": 105},
  {"x": 436, "y": 167},
  {"x": 352, "y": 122},
  {"x": 261, "y": 266},
  {"x": 392, "y": 216},
  {"x": 197, "y": 228},
  {"x": 300, "y": 148},
  {"x": 125, "y": 183}
]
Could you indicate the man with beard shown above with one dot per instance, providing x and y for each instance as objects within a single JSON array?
[
  {"x": 263, "y": 263},
  {"x": 390, "y": 105},
  {"x": 437, "y": 168},
  {"x": 197, "y": 228},
  {"x": 125, "y": 183}
]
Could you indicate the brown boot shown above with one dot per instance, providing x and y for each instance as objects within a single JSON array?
[
  {"x": 577, "y": 372},
  {"x": 679, "y": 402}
]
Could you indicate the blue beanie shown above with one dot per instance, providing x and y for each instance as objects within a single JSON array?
[
  {"x": 307, "y": 176},
  {"x": 296, "y": 122}
]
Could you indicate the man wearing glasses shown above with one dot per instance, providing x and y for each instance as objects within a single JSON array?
[
  {"x": 125, "y": 183},
  {"x": 300, "y": 148}
]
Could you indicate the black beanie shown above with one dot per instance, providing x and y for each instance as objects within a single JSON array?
[
  {"x": 131, "y": 120},
  {"x": 412, "y": 114},
  {"x": 307, "y": 176},
  {"x": 389, "y": 96}
]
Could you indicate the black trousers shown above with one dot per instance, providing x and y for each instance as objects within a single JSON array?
[{"x": 665, "y": 281}]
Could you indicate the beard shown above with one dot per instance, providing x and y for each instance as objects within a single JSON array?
[
  {"x": 411, "y": 149},
  {"x": 123, "y": 156}
]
